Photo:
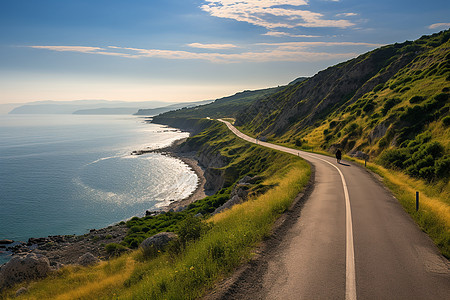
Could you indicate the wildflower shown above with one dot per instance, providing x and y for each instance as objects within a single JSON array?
[{"x": 191, "y": 268}]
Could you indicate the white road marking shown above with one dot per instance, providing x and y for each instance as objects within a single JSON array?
[{"x": 350, "y": 274}]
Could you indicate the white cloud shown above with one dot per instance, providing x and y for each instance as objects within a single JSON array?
[
  {"x": 265, "y": 53},
  {"x": 279, "y": 34},
  {"x": 211, "y": 46},
  {"x": 346, "y": 15},
  {"x": 439, "y": 25},
  {"x": 297, "y": 45},
  {"x": 271, "y": 14},
  {"x": 83, "y": 49},
  {"x": 69, "y": 48}
]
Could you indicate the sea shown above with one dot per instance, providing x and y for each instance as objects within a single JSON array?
[{"x": 67, "y": 174}]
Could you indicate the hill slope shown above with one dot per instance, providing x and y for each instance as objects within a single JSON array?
[
  {"x": 392, "y": 101},
  {"x": 229, "y": 106}
]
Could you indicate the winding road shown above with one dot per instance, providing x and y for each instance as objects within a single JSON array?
[{"x": 352, "y": 241}]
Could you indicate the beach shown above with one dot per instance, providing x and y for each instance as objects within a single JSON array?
[{"x": 67, "y": 249}]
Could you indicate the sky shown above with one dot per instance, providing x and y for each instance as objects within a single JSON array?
[{"x": 187, "y": 50}]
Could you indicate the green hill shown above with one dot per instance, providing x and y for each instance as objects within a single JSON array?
[
  {"x": 224, "y": 107},
  {"x": 391, "y": 103}
]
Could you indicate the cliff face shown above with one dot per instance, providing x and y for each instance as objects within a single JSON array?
[{"x": 212, "y": 162}]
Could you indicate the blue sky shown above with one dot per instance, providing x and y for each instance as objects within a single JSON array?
[{"x": 184, "y": 50}]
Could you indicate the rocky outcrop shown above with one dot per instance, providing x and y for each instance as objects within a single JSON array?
[
  {"x": 359, "y": 154},
  {"x": 21, "y": 291},
  {"x": 239, "y": 194},
  {"x": 87, "y": 259},
  {"x": 378, "y": 132},
  {"x": 21, "y": 268},
  {"x": 158, "y": 241}
]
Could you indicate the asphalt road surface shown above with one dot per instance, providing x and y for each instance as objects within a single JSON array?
[{"x": 352, "y": 241}]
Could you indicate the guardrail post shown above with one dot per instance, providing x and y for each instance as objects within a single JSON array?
[{"x": 417, "y": 201}]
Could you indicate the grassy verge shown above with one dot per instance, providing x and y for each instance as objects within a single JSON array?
[
  {"x": 187, "y": 272},
  {"x": 225, "y": 246},
  {"x": 433, "y": 215}
]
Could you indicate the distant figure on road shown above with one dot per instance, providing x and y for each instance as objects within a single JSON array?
[{"x": 338, "y": 156}]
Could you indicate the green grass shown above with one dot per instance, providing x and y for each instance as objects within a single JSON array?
[
  {"x": 188, "y": 270},
  {"x": 228, "y": 244},
  {"x": 433, "y": 216}
]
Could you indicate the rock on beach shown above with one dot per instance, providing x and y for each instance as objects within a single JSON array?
[{"x": 21, "y": 268}]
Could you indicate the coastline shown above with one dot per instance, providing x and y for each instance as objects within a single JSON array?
[
  {"x": 67, "y": 249},
  {"x": 190, "y": 159}
]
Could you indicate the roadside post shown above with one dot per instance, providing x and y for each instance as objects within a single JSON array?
[{"x": 417, "y": 201}]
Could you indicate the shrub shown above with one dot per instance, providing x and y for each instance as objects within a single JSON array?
[
  {"x": 446, "y": 121},
  {"x": 405, "y": 89},
  {"x": 382, "y": 142},
  {"x": 135, "y": 229},
  {"x": 368, "y": 107},
  {"x": 419, "y": 158},
  {"x": 442, "y": 167},
  {"x": 390, "y": 103},
  {"x": 115, "y": 249},
  {"x": 191, "y": 228},
  {"x": 394, "y": 158},
  {"x": 441, "y": 97},
  {"x": 378, "y": 87},
  {"x": 416, "y": 99}
]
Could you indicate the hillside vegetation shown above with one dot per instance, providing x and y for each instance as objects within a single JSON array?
[
  {"x": 227, "y": 106},
  {"x": 209, "y": 247},
  {"x": 390, "y": 105}
]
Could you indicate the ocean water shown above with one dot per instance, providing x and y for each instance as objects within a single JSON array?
[{"x": 66, "y": 174}]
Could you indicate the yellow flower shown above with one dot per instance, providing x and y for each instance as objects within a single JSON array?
[{"x": 191, "y": 268}]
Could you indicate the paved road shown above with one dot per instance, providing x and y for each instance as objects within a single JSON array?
[{"x": 352, "y": 241}]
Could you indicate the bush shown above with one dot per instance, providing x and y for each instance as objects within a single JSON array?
[
  {"x": 419, "y": 158},
  {"x": 446, "y": 121},
  {"x": 382, "y": 142},
  {"x": 442, "y": 167},
  {"x": 115, "y": 249},
  {"x": 368, "y": 107},
  {"x": 416, "y": 99},
  {"x": 378, "y": 87},
  {"x": 390, "y": 103},
  {"x": 191, "y": 228},
  {"x": 394, "y": 158},
  {"x": 443, "y": 97}
]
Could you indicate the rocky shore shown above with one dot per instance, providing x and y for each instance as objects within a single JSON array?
[{"x": 68, "y": 249}]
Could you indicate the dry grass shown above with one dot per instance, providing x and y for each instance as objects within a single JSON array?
[{"x": 433, "y": 215}]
